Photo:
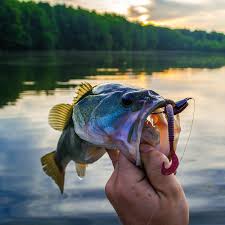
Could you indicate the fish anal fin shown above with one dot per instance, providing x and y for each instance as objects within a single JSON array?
[
  {"x": 81, "y": 169},
  {"x": 59, "y": 116},
  {"x": 51, "y": 169}
]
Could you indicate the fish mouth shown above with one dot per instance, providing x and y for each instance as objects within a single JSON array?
[{"x": 144, "y": 130}]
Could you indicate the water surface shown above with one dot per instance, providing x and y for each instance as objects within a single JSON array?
[{"x": 31, "y": 83}]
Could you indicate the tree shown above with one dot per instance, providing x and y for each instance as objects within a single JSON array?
[{"x": 29, "y": 25}]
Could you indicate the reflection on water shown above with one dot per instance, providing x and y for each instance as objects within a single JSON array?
[
  {"x": 30, "y": 84},
  {"x": 49, "y": 71}
]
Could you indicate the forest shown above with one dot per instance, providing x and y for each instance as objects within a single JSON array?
[{"x": 40, "y": 26}]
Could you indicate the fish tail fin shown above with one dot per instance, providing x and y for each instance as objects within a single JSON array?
[
  {"x": 81, "y": 169},
  {"x": 51, "y": 169}
]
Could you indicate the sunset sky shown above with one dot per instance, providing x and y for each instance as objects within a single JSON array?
[{"x": 192, "y": 14}]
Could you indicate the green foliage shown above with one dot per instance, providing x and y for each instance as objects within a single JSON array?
[{"x": 29, "y": 25}]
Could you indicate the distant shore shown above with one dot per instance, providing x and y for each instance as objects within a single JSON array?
[{"x": 39, "y": 26}]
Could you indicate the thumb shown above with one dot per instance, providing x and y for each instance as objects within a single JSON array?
[
  {"x": 166, "y": 185},
  {"x": 114, "y": 156},
  {"x": 128, "y": 171}
]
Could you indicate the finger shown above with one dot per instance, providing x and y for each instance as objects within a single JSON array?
[
  {"x": 162, "y": 125},
  {"x": 114, "y": 156},
  {"x": 131, "y": 178},
  {"x": 123, "y": 172},
  {"x": 148, "y": 148},
  {"x": 177, "y": 127},
  {"x": 177, "y": 130},
  {"x": 128, "y": 171},
  {"x": 128, "y": 177},
  {"x": 161, "y": 121},
  {"x": 165, "y": 185},
  {"x": 125, "y": 164},
  {"x": 122, "y": 166}
]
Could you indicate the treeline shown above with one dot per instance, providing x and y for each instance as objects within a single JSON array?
[{"x": 37, "y": 26}]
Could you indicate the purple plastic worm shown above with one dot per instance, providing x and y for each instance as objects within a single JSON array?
[{"x": 173, "y": 156}]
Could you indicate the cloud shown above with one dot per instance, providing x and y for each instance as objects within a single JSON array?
[
  {"x": 176, "y": 13},
  {"x": 162, "y": 9},
  {"x": 191, "y": 14}
]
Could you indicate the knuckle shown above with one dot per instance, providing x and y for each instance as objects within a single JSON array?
[
  {"x": 176, "y": 191},
  {"x": 158, "y": 158},
  {"x": 109, "y": 189},
  {"x": 120, "y": 191}
]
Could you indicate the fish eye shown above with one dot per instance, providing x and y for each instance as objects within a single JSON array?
[{"x": 127, "y": 101}]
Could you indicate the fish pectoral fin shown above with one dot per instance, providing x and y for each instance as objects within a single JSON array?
[
  {"x": 81, "y": 169},
  {"x": 51, "y": 169},
  {"x": 59, "y": 116},
  {"x": 82, "y": 90}
]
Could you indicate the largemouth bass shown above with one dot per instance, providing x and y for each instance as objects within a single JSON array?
[{"x": 108, "y": 116}]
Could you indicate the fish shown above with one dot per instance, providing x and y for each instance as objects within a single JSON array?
[{"x": 107, "y": 116}]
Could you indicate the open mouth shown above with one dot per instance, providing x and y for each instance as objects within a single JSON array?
[
  {"x": 150, "y": 134},
  {"x": 150, "y": 138},
  {"x": 147, "y": 132}
]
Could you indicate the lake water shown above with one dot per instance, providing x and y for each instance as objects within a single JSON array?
[{"x": 31, "y": 83}]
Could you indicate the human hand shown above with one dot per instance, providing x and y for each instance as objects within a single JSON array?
[{"x": 146, "y": 197}]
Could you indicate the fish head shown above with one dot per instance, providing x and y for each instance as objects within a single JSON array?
[{"x": 113, "y": 116}]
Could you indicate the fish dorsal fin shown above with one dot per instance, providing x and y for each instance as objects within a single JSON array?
[
  {"x": 59, "y": 116},
  {"x": 81, "y": 169},
  {"x": 82, "y": 90},
  {"x": 52, "y": 170}
]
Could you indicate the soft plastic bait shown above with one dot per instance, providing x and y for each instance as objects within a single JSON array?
[
  {"x": 175, "y": 161},
  {"x": 170, "y": 111}
]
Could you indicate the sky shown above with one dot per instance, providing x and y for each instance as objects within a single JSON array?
[{"x": 191, "y": 14}]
